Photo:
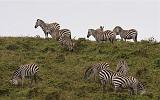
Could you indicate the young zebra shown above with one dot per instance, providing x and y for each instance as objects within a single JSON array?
[
  {"x": 102, "y": 36},
  {"x": 59, "y": 33},
  {"x": 126, "y": 34},
  {"x": 28, "y": 70},
  {"x": 95, "y": 69},
  {"x": 47, "y": 27},
  {"x": 120, "y": 81},
  {"x": 122, "y": 67},
  {"x": 100, "y": 29},
  {"x": 66, "y": 42}
]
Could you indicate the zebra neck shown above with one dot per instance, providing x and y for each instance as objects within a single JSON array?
[
  {"x": 95, "y": 34},
  {"x": 43, "y": 26}
]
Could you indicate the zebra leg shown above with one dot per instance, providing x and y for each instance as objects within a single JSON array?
[
  {"x": 22, "y": 80},
  {"x": 31, "y": 82},
  {"x": 46, "y": 35},
  {"x": 135, "y": 38},
  {"x": 103, "y": 85},
  {"x": 115, "y": 89},
  {"x": 35, "y": 79}
]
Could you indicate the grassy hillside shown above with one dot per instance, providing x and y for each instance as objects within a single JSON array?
[{"x": 62, "y": 71}]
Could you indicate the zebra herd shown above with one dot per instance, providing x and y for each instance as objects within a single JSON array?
[
  {"x": 64, "y": 35},
  {"x": 100, "y": 35},
  {"x": 118, "y": 78}
]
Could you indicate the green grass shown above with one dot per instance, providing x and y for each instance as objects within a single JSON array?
[{"x": 62, "y": 71}]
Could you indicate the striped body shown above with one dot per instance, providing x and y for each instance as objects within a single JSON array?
[
  {"x": 126, "y": 34},
  {"x": 95, "y": 69},
  {"x": 59, "y": 33},
  {"x": 120, "y": 81},
  {"x": 130, "y": 83},
  {"x": 102, "y": 36},
  {"x": 28, "y": 70},
  {"x": 47, "y": 27},
  {"x": 66, "y": 42}
]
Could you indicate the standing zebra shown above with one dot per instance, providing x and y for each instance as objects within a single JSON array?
[
  {"x": 47, "y": 27},
  {"x": 120, "y": 81},
  {"x": 100, "y": 29},
  {"x": 67, "y": 42},
  {"x": 62, "y": 32},
  {"x": 122, "y": 67},
  {"x": 95, "y": 69},
  {"x": 102, "y": 36},
  {"x": 28, "y": 70},
  {"x": 126, "y": 34}
]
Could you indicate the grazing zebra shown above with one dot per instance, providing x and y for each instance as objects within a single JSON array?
[
  {"x": 133, "y": 85},
  {"x": 95, "y": 69},
  {"x": 120, "y": 81},
  {"x": 28, "y": 70},
  {"x": 58, "y": 33},
  {"x": 126, "y": 34},
  {"x": 47, "y": 27},
  {"x": 100, "y": 29},
  {"x": 66, "y": 42},
  {"x": 102, "y": 36},
  {"x": 122, "y": 67}
]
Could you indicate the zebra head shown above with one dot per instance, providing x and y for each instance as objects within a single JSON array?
[
  {"x": 122, "y": 67},
  {"x": 141, "y": 88},
  {"x": 38, "y": 23},
  {"x": 87, "y": 73},
  {"x": 90, "y": 32},
  {"x": 14, "y": 81},
  {"x": 118, "y": 30},
  {"x": 101, "y": 27}
]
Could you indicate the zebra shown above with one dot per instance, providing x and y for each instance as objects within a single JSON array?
[
  {"x": 100, "y": 29},
  {"x": 58, "y": 33},
  {"x": 122, "y": 67},
  {"x": 66, "y": 42},
  {"x": 118, "y": 80},
  {"x": 47, "y": 27},
  {"x": 95, "y": 69},
  {"x": 102, "y": 36},
  {"x": 27, "y": 70},
  {"x": 126, "y": 34}
]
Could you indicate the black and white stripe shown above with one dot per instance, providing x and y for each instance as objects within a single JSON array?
[
  {"x": 47, "y": 27},
  {"x": 102, "y": 36},
  {"x": 66, "y": 42},
  {"x": 126, "y": 34},
  {"x": 120, "y": 81},
  {"x": 62, "y": 32},
  {"x": 28, "y": 70},
  {"x": 95, "y": 69},
  {"x": 130, "y": 83}
]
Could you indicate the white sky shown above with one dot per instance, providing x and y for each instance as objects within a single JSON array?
[{"x": 18, "y": 17}]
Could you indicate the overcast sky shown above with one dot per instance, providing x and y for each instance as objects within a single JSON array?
[{"x": 18, "y": 17}]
